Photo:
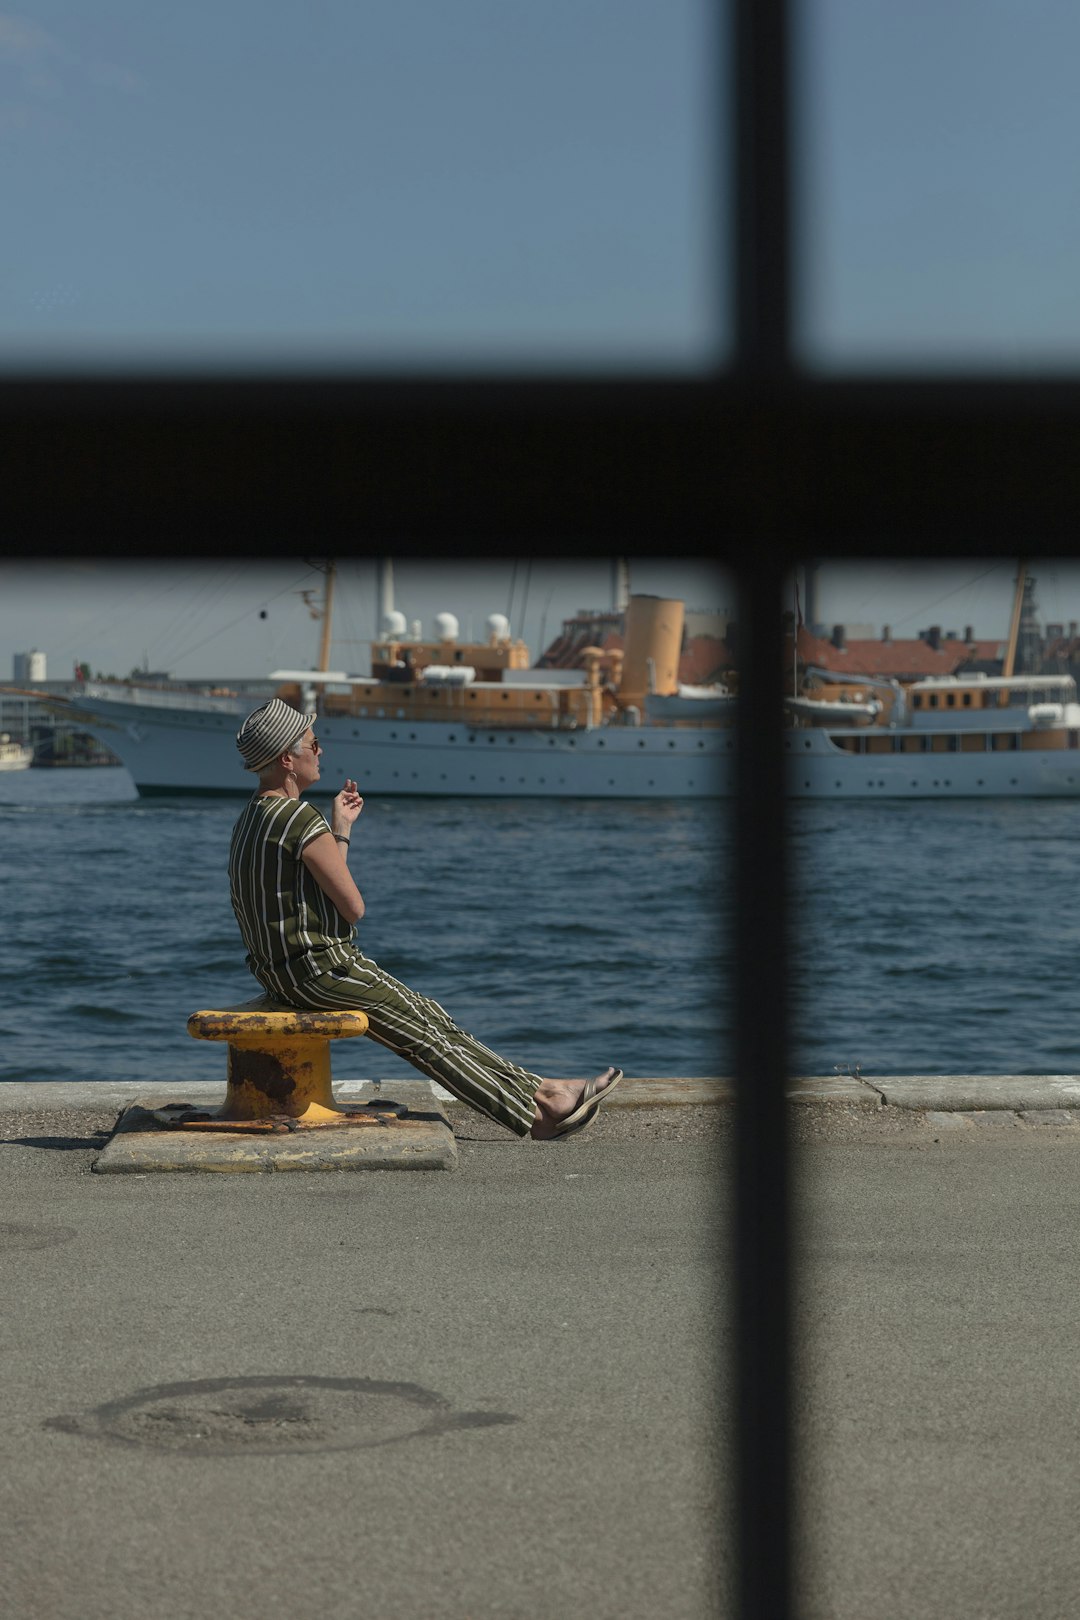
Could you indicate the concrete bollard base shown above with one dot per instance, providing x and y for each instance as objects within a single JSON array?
[{"x": 405, "y": 1128}]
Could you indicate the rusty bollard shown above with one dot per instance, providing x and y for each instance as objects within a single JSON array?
[{"x": 279, "y": 1058}]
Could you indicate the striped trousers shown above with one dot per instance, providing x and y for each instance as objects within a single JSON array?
[{"x": 424, "y": 1034}]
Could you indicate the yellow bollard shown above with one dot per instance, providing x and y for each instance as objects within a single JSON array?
[{"x": 279, "y": 1059}]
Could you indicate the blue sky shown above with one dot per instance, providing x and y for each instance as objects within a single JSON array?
[
  {"x": 362, "y": 181},
  {"x": 402, "y": 182},
  {"x": 910, "y": 596}
]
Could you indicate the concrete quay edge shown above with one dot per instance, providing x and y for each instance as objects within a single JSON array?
[{"x": 955, "y": 1093}]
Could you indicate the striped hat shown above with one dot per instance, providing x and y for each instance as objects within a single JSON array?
[{"x": 269, "y": 732}]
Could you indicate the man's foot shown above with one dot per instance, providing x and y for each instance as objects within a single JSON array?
[{"x": 564, "y": 1105}]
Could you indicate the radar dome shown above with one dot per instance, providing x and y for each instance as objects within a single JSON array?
[
  {"x": 393, "y": 623},
  {"x": 498, "y": 625},
  {"x": 446, "y": 627}
]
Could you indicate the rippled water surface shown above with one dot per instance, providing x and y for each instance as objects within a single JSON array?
[
  {"x": 937, "y": 937},
  {"x": 930, "y": 938},
  {"x": 568, "y": 935}
]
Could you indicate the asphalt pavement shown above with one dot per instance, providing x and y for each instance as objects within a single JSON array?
[{"x": 501, "y": 1391}]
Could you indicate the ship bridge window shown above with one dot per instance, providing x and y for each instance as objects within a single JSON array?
[
  {"x": 917, "y": 700},
  {"x": 950, "y": 700},
  {"x": 933, "y": 700},
  {"x": 1074, "y": 739},
  {"x": 967, "y": 700},
  {"x": 1005, "y": 742},
  {"x": 851, "y": 745}
]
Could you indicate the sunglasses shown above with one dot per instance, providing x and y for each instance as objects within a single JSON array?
[{"x": 314, "y": 745}]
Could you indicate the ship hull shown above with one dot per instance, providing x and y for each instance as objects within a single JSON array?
[
  {"x": 169, "y": 751},
  {"x": 817, "y": 768}
]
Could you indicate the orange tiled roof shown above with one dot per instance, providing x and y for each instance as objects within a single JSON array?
[{"x": 913, "y": 658}]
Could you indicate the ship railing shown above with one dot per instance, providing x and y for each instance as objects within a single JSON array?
[{"x": 145, "y": 697}]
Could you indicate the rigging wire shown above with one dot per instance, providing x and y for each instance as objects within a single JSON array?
[
  {"x": 184, "y": 622},
  {"x": 239, "y": 619},
  {"x": 92, "y": 628},
  {"x": 966, "y": 586}
]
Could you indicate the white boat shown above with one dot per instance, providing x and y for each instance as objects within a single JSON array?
[
  {"x": 443, "y": 718},
  {"x": 860, "y": 736},
  {"x": 951, "y": 737},
  {"x": 14, "y": 756}
]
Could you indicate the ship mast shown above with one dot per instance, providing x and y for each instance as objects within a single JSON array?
[
  {"x": 1014, "y": 634},
  {"x": 327, "y": 618}
]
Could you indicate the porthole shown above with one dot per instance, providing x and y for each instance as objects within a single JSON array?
[
  {"x": 491, "y": 739},
  {"x": 451, "y": 738},
  {"x": 393, "y": 736},
  {"x": 1014, "y": 780},
  {"x": 611, "y": 781},
  {"x": 640, "y": 744},
  {"x": 355, "y": 732},
  {"x": 701, "y": 745},
  {"x": 573, "y": 742},
  {"x": 600, "y": 744},
  {"x": 412, "y": 736},
  {"x": 671, "y": 742},
  {"x": 806, "y": 744},
  {"x": 551, "y": 742}
]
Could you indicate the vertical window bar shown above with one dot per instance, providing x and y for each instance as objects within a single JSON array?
[
  {"x": 762, "y": 247},
  {"x": 761, "y": 1161},
  {"x": 762, "y": 352}
]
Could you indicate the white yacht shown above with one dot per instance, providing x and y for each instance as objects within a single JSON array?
[
  {"x": 14, "y": 756},
  {"x": 442, "y": 717}
]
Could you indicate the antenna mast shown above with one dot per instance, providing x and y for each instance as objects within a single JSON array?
[{"x": 327, "y": 617}]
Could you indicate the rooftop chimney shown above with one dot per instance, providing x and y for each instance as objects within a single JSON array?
[
  {"x": 886, "y": 632},
  {"x": 969, "y": 635},
  {"x": 1072, "y": 629},
  {"x": 838, "y": 636},
  {"x": 933, "y": 637}
]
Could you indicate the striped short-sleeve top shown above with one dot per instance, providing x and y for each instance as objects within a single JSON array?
[{"x": 291, "y": 929}]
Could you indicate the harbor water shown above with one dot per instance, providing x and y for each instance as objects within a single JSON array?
[
  {"x": 929, "y": 937},
  {"x": 568, "y": 935}
]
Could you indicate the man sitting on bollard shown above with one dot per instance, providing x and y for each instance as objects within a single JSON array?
[{"x": 297, "y": 906}]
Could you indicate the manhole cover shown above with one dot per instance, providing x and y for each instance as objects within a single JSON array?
[
  {"x": 256, "y": 1416},
  {"x": 32, "y": 1235}
]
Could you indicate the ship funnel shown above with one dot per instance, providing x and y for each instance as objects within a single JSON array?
[
  {"x": 446, "y": 627},
  {"x": 654, "y": 628}
]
